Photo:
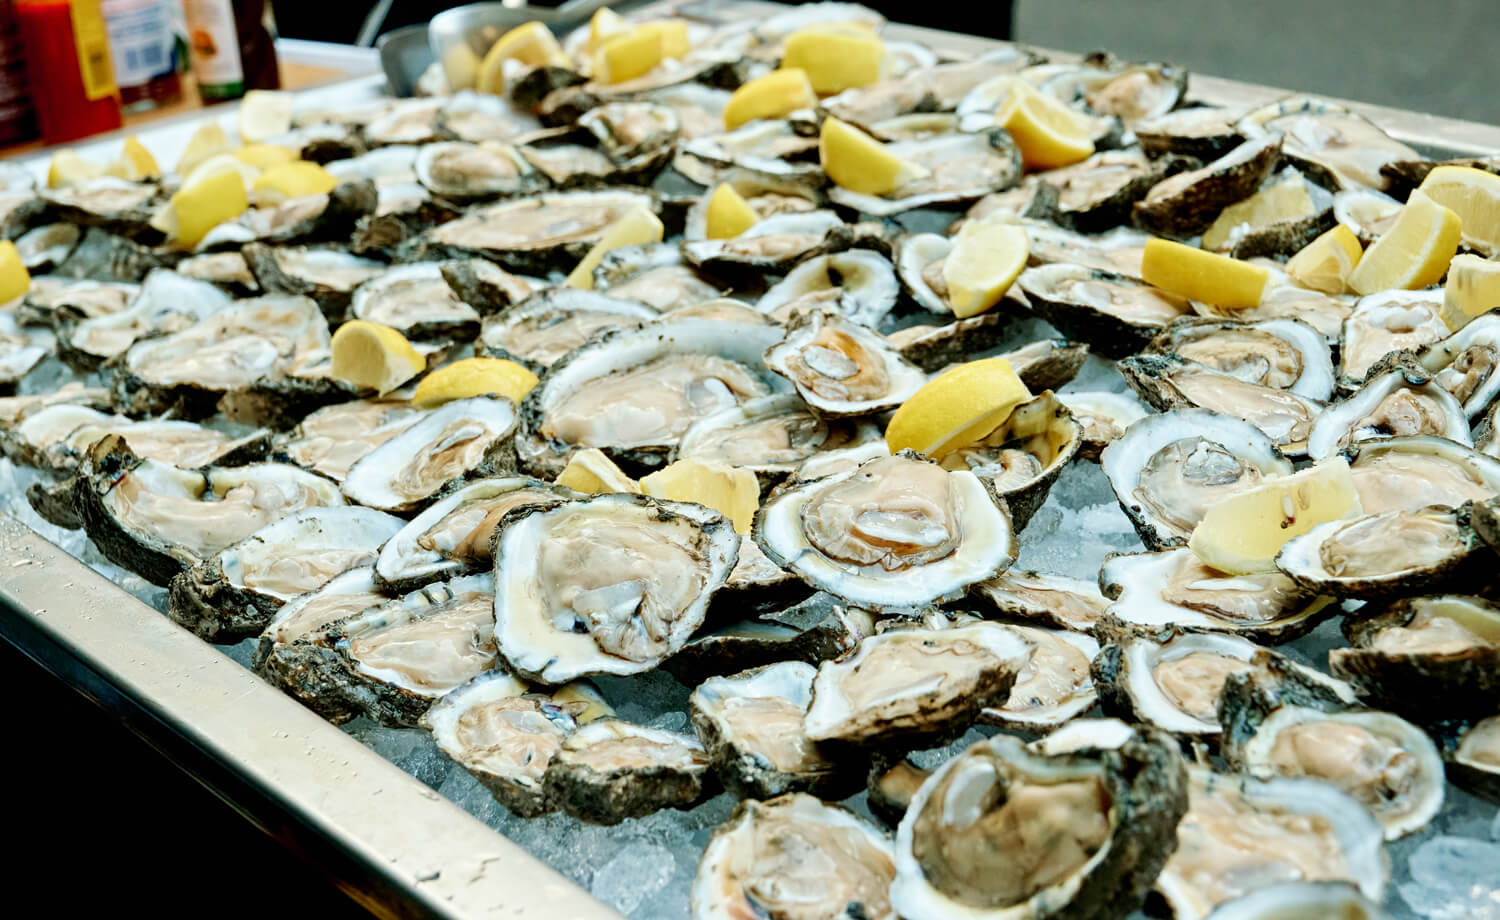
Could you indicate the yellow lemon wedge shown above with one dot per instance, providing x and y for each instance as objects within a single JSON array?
[
  {"x": 1048, "y": 133},
  {"x": 858, "y": 162},
  {"x": 292, "y": 180},
  {"x": 591, "y": 471},
  {"x": 836, "y": 56},
  {"x": 1474, "y": 195},
  {"x": 1325, "y": 263},
  {"x": 1190, "y": 272},
  {"x": 67, "y": 168},
  {"x": 223, "y": 163},
  {"x": 135, "y": 162},
  {"x": 474, "y": 377},
  {"x": 531, "y": 44},
  {"x": 461, "y": 66},
  {"x": 1287, "y": 199},
  {"x": 730, "y": 490},
  {"x": 209, "y": 140},
  {"x": 264, "y": 156},
  {"x": 373, "y": 356},
  {"x": 673, "y": 34},
  {"x": 985, "y": 261},
  {"x": 1413, "y": 253},
  {"x": 775, "y": 95},
  {"x": 15, "y": 280},
  {"x": 1242, "y": 534},
  {"x": 635, "y": 227},
  {"x": 625, "y": 57},
  {"x": 605, "y": 25},
  {"x": 728, "y": 215},
  {"x": 203, "y": 204},
  {"x": 265, "y": 113},
  {"x": 956, "y": 408},
  {"x": 1472, "y": 289}
]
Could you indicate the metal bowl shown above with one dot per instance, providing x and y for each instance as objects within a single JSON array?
[{"x": 460, "y": 37}]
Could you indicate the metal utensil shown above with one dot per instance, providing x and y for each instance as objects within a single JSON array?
[{"x": 460, "y": 37}]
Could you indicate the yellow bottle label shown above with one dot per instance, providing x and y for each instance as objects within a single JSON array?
[{"x": 91, "y": 38}]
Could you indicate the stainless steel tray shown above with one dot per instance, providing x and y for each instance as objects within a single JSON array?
[{"x": 395, "y": 845}]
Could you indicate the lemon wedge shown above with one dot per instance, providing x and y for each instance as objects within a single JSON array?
[
  {"x": 1413, "y": 253},
  {"x": 605, "y": 25},
  {"x": 1284, "y": 200},
  {"x": 264, "y": 156},
  {"x": 265, "y": 113},
  {"x": 223, "y": 163},
  {"x": 135, "y": 162},
  {"x": 531, "y": 44},
  {"x": 858, "y": 162},
  {"x": 985, "y": 261},
  {"x": 292, "y": 180},
  {"x": 1474, "y": 195},
  {"x": 590, "y": 471},
  {"x": 1472, "y": 289},
  {"x": 836, "y": 56},
  {"x": 728, "y": 215},
  {"x": 635, "y": 227},
  {"x": 1048, "y": 132},
  {"x": 461, "y": 66},
  {"x": 956, "y": 408},
  {"x": 15, "y": 280},
  {"x": 209, "y": 140},
  {"x": 1325, "y": 263},
  {"x": 730, "y": 490},
  {"x": 775, "y": 95},
  {"x": 474, "y": 377},
  {"x": 374, "y": 357},
  {"x": 673, "y": 34},
  {"x": 67, "y": 168},
  {"x": 203, "y": 204},
  {"x": 625, "y": 57},
  {"x": 1190, "y": 272},
  {"x": 1242, "y": 534}
]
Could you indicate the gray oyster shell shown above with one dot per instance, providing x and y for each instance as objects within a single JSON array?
[
  {"x": 610, "y": 770},
  {"x": 533, "y": 235},
  {"x": 1282, "y": 353},
  {"x": 1202, "y": 132},
  {"x": 773, "y": 244},
  {"x": 1187, "y": 203},
  {"x": 1097, "y": 194},
  {"x": 326, "y": 218},
  {"x": 858, "y": 283},
  {"x": 116, "y": 205},
  {"x": 460, "y": 171},
  {"x": 1047, "y": 600},
  {"x": 1055, "y": 684},
  {"x": 328, "y": 276},
  {"x": 1409, "y": 474},
  {"x": 548, "y": 325},
  {"x": 417, "y": 300},
  {"x": 814, "y": 630},
  {"x": 332, "y": 439},
  {"x": 43, "y": 248},
  {"x": 1328, "y": 141},
  {"x": 772, "y": 436},
  {"x": 1401, "y": 402},
  {"x": 1023, "y": 457},
  {"x": 960, "y": 167},
  {"x": 654, "y": 274},
  {"x": 841, "y": 368},
  {"x": 57, "y": 438},
  {"x": 1115, "y": 315},
  {"x": 166, "y": 302}
]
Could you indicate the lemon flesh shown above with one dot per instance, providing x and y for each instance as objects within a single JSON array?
[
  {"x": 1413, "y": 253},
  {"x": 1203, "y": 276},
  {"x": 265, "y": 113},
  {"x": 531, "y": 44},
  {"x": 208, "y": 141},
  {"x": 264, "y": 156},
  {"x": 1472, "y": 289},
  {"x": 136, "y": 162},
  {"x": 1474, "y": 195},
  {"x": 728, "y": 215},
  {"x": 730, "y": 490},
  {"x": 292, "y": 180},
  {"x": 605, "y": 25},
  {"x": 835, "y": 56},
  {"x": 374, "y": 357},
  {"x": 957, "y": 408},
  {"x": 1048, "y": 133},
  {"x": 591, "y": 471},
  {"x": 1286, "y": 200},
  {"x": 636, "y": 227},
  {"x": 858, "y": 162},
  {"x": 1242, "y": 534},
  {"x": 474, "y": 377},
  {"x": 775, "y": 95},
  {"x": 1325, "y": 263},
  {"x": 67, "y": 168},
  {"x": 625, "y": 57},
  {"x": 985, "y": 261},
  {"x": 202, "y": 205},
  {"x": 15, "y": 280},
  {"x": 673, "y": 34}
]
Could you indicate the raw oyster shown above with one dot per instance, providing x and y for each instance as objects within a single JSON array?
[
  {"x": 1175, "y": 588},
  {"x": 958, "y": 168},
  {"x": 417, "y": 300},
  {"x": 328, "y": 276},
  {"x": 462, "y": 438},
  {"x": 1203, "y": 132},
  {"x": 452, "y": 535},
  {"x": 766, "y": 196},
  {"x": 332, "y": 439},
  {"x": 1097, "y": 193},
  {"x": 228, "y": 270},
  {"x": 1401, "y": 402},
  {"x": 1406, "y": 654},
  {"x": 911, "y": 686},
  {"x": 610, "y": 770},
  {"x": 1383, "y": 761},
  {"x": 896, "y": 532},
  {"x": 544, "y": 327},
  {"x": 166, "y": 302},
  {"x": 1386, "y": 322},
  {"x": 1022, "y": 457},
  {"x": 15, "y": 409},
  {"x": 506, "y": 733},
  {"x": 1284, "y": 300},
  {"x": 57, "y": 438},
  {"x": 484, "y": 285},
  {"x": 815, "y": 630},
  {"x": 406, "y": 121},
  {"x": 859, "y": 284},
  {"x": 773, "y": 244},
  {"x": 1241, "y": 232},
  {"x": 841, "y": 368},
  {"x": 1474, "y": 758},
  {"x": 233, "y": 594},
  {"x": 751, "y": 725},
  {"x": 1167, "y": 469},
  {"x": 632, "y": 393},
  {"x": 794, "y": 856},
  {"x": 929, "y": 89},
  {"x": 610, "y": 585},
  {"x": 44, "y": 247},
  {"x": 51, "y": 299},
  {"x": 1114, "y": 314},
  {"x": 1365, "y": 211},
  {"x": 1409, "y": 474},
  {"x": 305, "y": 219},
  {"x": 1187, "y": 203},
  {"x": 1300, "y": 901},
  {"x": 773, "y": 436},
  {"x": 1168, "y": 382},
  {"x": 933, "y": 348},
  {"x": 158, "y": 520},
  {"x": 1281, "y": 353},
  {"x": 20, "y": 352},
  {"x": 1379, "y": 555},
  {"x": 768, "y": 150},
  {"x": 1053, "y": 686},
  {"x": 461, "y": 171},
  {"x": 1052, "y": 600},
  {"x": 1105, "y": 417},
  {"x": 102, "y": 256},
  {"x": 889, "y": 791},
  {"x": 1466, "y": 363},
  {"x": 1328, "y": 140},
  {"x": 1240, "y": 833},
  {"x": 654, "y": 274},
  {"x": 116, "y": 205},
  {"x": 533, "y": 234},
  {"x": 919, "y": 262},
  {"x": 966, "y": 846}
]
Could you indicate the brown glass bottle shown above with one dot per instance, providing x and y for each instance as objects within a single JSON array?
[{"x": 231, "y": 48}]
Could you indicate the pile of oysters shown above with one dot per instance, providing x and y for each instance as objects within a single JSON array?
[{"x": 423, "y": 568}]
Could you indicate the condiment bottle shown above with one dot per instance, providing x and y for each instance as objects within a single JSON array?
[
  {"x": 231, "y": 48},
  {"x": 68, "y": 67},
  {"x": 17, "y": 117},
  {"x": 145, "y": 52}
]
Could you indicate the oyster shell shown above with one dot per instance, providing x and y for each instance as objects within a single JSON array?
[
  {"x": 1114, "y": 314},
  {"x": 116, "y": 205},
  {"x": 1465, "y": 363},
  {"x": 1282, "y": 353},
  {"x": 1241, "y": 233},
  {"x": 1365, "y": 211},
  {"x": 1474, "y": 760},
  {"x": 959, "y": 167},
  {"x": 50, "y": 300},
  {"x": 929, "y": 89},
  {"x": 43, "y": 248},
  {"x": 765, "y": 149},
  {"x": 228, "y": 270},
  {"x": 1409, "y": 474},
  {"x": 327, "y": 218},
  {"x": 933, "y": 348},
  {"x": 773, "y": 436},
  {"x": 1299, "y": 901},
  {"x": 1202, "y": 131},
  {"x": 542, "y": 328},
  {"x": 58, "y": 437},
  {"x": 1326, "y": 139},
  {"x": 858, "y": 283},
  {"x": 1380, "y": 555},
  {"x": 1386, "y": 322},
  {"x": 417, "y": 300},
  {"x": 533, "y": 234},
  {"x": 815, "y": 630},
  {"x": 1053, "y": 686},
  {"x": 773, "y": 244},
  {"x": 1023, "y": 457},
  {"x": 332, "y": 439},
  {"x": 610, "y": 770},
  {"x": 654, "y": 275},
  {"x": 1105, "y": 416},
  {"x": 1187, "y": 203},
  {"x": 1401, "y": 402},
  {"x": 166, "y": 302},
  {"x": 1283, "y": 300},
  {"x": 610, "y": 585},
  {"x": 462, "y": 171},
  {"x": 1098, "y": 193},
  {"x": 328, "y": 276},
  {"x": 841, "y": 368},
  {"x": 1169, "y": 382},
  {"x": 1051, "y": 600}
]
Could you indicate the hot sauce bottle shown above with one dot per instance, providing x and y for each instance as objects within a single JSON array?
[{"x": 69, "y": 67}]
